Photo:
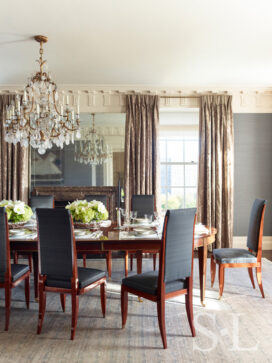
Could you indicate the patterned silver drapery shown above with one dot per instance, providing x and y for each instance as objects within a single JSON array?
[
  {"x": 215, "y": 185},
  {"x": 13, "y": 162},
  {"x": 142, "y": 168}
]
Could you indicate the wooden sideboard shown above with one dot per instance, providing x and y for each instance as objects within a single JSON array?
[{"x": 63, "y": 195}]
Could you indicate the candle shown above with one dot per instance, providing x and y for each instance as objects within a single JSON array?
[
  {"x": 67, "y": 100},
  {"x": 38, "y": 108},
  {"x": 61, "y": 110},
  {"x": 24, "y": 98}
]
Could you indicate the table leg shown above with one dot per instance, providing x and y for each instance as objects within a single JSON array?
[
  {"x": 126, "y": 263},
  {"x": 109, "y": 263},
  {"x": 202, "y": 260},
  {"x": 36, "y": 274},
  {"x": 139, "y": 257}
]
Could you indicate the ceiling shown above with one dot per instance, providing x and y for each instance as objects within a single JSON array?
[{"x": 177, "y": 43}]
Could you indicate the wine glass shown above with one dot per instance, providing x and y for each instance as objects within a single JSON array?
[{"x": 133, "y": 215}]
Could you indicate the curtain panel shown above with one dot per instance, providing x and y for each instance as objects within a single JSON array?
[
  {"x": 142, "y": 174},
  {"x": 215, "y": 184},
  {"x": 13, "y": 162}
]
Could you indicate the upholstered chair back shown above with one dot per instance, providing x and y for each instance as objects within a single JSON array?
[
  {"x": 142, "y": 204},
  {"x": 55, "y": 247},
  {"x": 178, "y": 245},
  {"x": 3, "y": 242},
  {"x": 41, "y": 201},
  {"x": 254, "y": 224}
]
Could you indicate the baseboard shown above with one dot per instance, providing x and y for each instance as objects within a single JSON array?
[{"x": 240, "y": 242}]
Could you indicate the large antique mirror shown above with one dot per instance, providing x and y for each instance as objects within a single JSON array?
[{"x": 82, "y": 164}]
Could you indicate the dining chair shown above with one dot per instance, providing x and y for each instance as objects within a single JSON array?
[
  {"x": 36, "y": 201},
  {"x": 58, "y": 271},
  {"x": 175, "y": 275},
  {"x": 237, "y": 257},
  {"x": 105, "y": 200},
  {"x": 142, "y": 204},
  {"x": 10, "y": 274},
  {"x": 41, "y": 201}
]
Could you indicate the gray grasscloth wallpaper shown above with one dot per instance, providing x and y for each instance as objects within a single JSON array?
[{"x": 252, "y": 168}]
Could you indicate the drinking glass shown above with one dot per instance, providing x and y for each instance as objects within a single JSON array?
[
  {"x": 149, "y": 218},
  {"x": 133, "y": 216}
]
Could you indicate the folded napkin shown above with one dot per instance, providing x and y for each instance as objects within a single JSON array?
[
  {"x": 23, "y": 237},
  {"x": 201, "y": 229},
  {"x": 131, "y": 235},
  {"x": 90, "y": 235}
]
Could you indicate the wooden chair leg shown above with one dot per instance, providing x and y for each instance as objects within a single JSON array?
[
  {"x": 161, "y": 319},
  {"x": 15, "y": 257},
  {"x": 103, "y": 298},
  {"x": 126, "y": 263},
  {"x": 124, "y": 305},
  {"x": 42, "y": 305},
  {"x": 259, "y": 279},
  {"x": 63, "y": 301},
  {"x": 84, "y": 258},
  {"x": 27, "y": 291},
  {"x": 213, "y": 270},
  {"x": 30, "y": 262},
  {"x": 154, "y": 261},
  {"x": 74, "y": 314},
  {"x": 131, "y": 261},
  {"x": 189, "y": 311},
  {"x": 7, "y": 305},
  {"x": 221, "y": 280},
  {"x": 250, "y": 272}
]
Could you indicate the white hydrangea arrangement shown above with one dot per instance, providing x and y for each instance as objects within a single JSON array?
[
  {"x": 83, "y": 211},
  {"x": 17, "y": 211}
]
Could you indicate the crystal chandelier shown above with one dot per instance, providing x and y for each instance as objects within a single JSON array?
[
  {"x": 92, "y": 149},
  {"x": 39, "y": 119}
]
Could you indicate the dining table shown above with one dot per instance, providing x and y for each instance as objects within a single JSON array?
[{"x": 114, "y": 239}]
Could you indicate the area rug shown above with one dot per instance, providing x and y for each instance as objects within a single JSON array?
[{"x": 237, "y": 328}]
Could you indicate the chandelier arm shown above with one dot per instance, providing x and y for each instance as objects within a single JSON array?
[{"x": 55, "y": 106}]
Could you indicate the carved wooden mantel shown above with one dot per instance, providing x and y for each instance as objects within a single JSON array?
[{"x": 69, "y": 194}]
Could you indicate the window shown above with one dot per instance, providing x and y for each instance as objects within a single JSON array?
[{"x": 178, "y": 166}]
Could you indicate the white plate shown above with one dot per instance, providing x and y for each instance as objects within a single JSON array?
[
  {"x": 145, "y": 232},
  {"x": 17, "y": 232},
  {"x": 142, "y": 230},
  {"x": 80, "y": 232},
  {"x": 141, "y": 221}
]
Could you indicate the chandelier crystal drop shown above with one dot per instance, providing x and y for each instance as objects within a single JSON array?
[
  {"x": 39, "y": 118},
  {"x": 92, "y": 149}
]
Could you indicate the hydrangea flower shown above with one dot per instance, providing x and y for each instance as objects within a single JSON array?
[
  {"x": 17, "y": 211},
  {"x": 83, "y": 211}
]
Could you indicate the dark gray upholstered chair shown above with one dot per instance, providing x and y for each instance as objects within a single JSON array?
[
  {"x": 36, "y": 201},
  {"x": 41, "y": 201},
  {"x": 237, "y": 257},
  {"x": 142, "y": 204},
  {"x": 10, "y": 274},
  {"x": 58, "y": 271},
  {"x": 175, "y": 276}
]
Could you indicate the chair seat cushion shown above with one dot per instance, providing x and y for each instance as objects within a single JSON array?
[
  {"x": 148, "y": 282},
  {"x": 233, "y": 255},
  {"x": 18, "y": 270},
  {"x": 86, "y": 276}
]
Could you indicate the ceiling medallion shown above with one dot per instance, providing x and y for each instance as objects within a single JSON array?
[{"x": 39, "y": 118}]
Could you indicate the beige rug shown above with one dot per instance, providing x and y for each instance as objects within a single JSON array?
[{"x": 236, "y": 329}]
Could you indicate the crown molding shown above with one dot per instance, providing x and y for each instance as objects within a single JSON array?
[{"x": 111, "y": 98}]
